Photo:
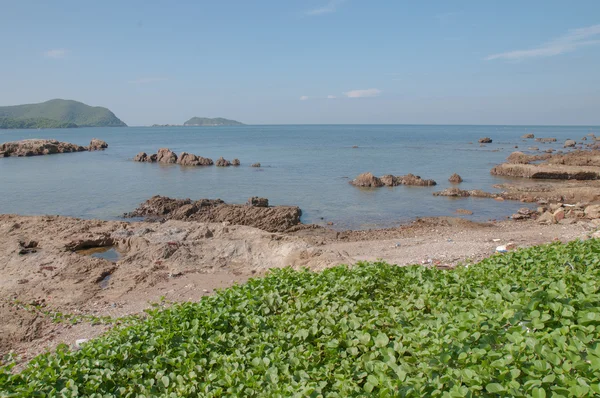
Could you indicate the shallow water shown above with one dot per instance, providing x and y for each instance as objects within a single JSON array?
[
  {"x": 304, "y": 165},
  {"x": 105, "y": 252}
]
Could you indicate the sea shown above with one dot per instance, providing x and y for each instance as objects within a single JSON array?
[{"x": 309, "y": 166}]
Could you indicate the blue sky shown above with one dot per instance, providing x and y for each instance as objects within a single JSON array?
[{"x": 309, "y": 61}]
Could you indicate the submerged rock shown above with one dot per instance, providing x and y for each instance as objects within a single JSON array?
[
  {"x": 485, "y": 140},
  {"x": 255, "y": 165},
  {"x": 530, "y": 135}
]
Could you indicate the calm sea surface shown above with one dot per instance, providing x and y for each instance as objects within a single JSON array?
[{"x": 304, "y": 165}]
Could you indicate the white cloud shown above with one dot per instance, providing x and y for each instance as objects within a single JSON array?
[
  {"x": 572, "y": 40},
  {"x": 331, "y": 97},
  {"x": 370, "y": 92},
  {"x": 304, "y": 98},
  {"x": 56, "y": 53},
  {"x": 328, "y": 8},
  {"x": 146, "y": 80}
]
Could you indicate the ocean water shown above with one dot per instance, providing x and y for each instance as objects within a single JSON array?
[{"x": 304, "y": 165}]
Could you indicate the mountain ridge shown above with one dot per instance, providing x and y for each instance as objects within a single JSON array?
[{"x": 207, "y": 121}]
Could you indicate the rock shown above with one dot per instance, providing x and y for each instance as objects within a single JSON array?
[
  {"x": 221, "y": 162},
  {"x": 258, "y": 202},
  {"x": 546, "y": 140},
  {"x": 389, "y": 180},
  {"x": 592, "y": 211},
  {"x": 559, "y": 214},
  {"x": 235, "y": 162},
  {"x": 354, "y": 146},
  {"x": 141, "y": 157},
  {"x": 38, "y": 147},
  {"x": 165, "y": 155},
  {"x": 550, "y": 150},
  {"x": 455, "y": 179},
  {"x": 97, "y": 145},
  {"x": 521, "y": 158},
  {"x": 518, "y": 216},
  {"x": 546, "y": 218},
  {"x": 411, "y": 179},
  {"x": 530, "y": 135},
  {"x": 485, "y": 140},
  {"x": 534, "y": 148},
  {"x": 583, "y": 138},
  {"x": 547, "y": 171},
  {"x": 271, "y": 219},
  {"x": 456, "y": 192},
  {"x": 255, "y": 165},
  {"x": 464, "y": 211},
  {"x": 367, "y": 180},
  {"x": 569, "y": 144},
  {"x": 555, "y": 206},
  {"x": 524, "y": 211},
  {"x": 189, "y": 159}
]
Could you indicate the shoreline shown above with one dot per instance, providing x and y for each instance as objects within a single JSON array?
[{"x": 187, "y": 260}]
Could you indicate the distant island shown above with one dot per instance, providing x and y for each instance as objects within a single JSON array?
[
  {"x": 57, "y": 113},
  {"x": 206, "y": 121}
]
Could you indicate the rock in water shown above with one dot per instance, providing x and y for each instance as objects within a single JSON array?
[
  {"x": 221, "y": 162},
  {"x": 530, "y": 135},
  {"x": 485, "y": 140},
  {"x": 189, "y": 159},
  {"x": 367, "y": 180},
  {"x": 97, "y": 145},
  {"x": 455, "y": 179},
  {"x": 165, "y": 155},
  {"x": 37, "y": 147},
  {"x": 569, "y": 144},
  {"x": 255, "y": 165},
  {"x": 235, "y": 162}
]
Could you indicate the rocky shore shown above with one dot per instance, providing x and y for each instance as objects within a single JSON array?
[
  {"x": 39, "y": 147},
  {"x": 369, "y": 180}
]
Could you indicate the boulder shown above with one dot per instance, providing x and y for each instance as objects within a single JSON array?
[
  {"x": 559, "y": 214},
  {"x": 592, "y": 211},
  {"x": 258, "y": 202},
  {"x": 255, "y": 165},
  {"x": 411, "y": 179},
  {"x": 569, "y": 144},
  {"x": 367, "y": 180},
  {"x": 165, "y": 155},
  {"x": 455, "y": 179},
  {"x": 546, "y": 218},
  {"x": 221, "y": 162},
  {"x": 530, "y": 135},
  {"x": 189, "y": 159},
  {"x": 97, "y": 145},
  {"x": 235, "y": 162},
  {"x": 38, "y": 147},
  {"x": 141, "y": 157},
  {"x": 485, "y": 140},
  {"x": 389, "y": 180}
]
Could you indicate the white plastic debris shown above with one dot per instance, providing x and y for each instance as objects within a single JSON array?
[{"x": 501, "y": 249}]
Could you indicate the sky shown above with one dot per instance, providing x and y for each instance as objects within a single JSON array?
[{"x": 309, "y": 61}]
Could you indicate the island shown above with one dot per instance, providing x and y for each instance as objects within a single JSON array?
[
  {"x": 57, "y": 113},
  {"x": 206, "y": 121}
]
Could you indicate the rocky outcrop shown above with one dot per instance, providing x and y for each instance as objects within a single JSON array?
[
  {"x": 455, "y": 179},
  {"x": 367, "y": 180},
  {"x": 97, "y": 145},
  {"x": 235, "y": 162},
  {"x": 258, "y": 202},
  {"x": 456, "y": 192},
  {"x": 37, "y": 147},
  {"x": 255, "y": 165},
  {"x": 485, "y": 140},
  {"x": 545, "y": 171},
  {"x": 143, "y": 157},
  {"x": 221, "y": 162},
  {"x": 546, "y": 140},
  {"x": 272, "y": 219},
  {"x": 189, "y": 159},
  {"x": 165, "y": 155},
  {"x": 521, "y": 158},
  {"x": 569, "y": 144},
  {"x": 530, "y": 135}
]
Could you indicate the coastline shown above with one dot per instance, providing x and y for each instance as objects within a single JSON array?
[{"x": 177, "y": 261}]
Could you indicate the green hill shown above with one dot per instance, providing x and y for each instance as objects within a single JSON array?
[
  {"x": 39, "y": 123},
  {"x": 207, "y": 121},
  {"x": 65, "y": 113}
]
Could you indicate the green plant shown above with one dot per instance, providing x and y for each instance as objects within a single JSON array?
[{"x": 521, "y": 324}]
